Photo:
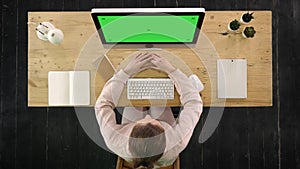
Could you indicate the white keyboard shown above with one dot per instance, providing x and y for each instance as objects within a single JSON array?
[{"x": 150, "y": 88}]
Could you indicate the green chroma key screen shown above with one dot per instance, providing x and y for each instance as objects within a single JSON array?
[{"x": 147, "y": 29}]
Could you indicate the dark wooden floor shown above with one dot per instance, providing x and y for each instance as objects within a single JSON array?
[{"x": 253, "y": 138}]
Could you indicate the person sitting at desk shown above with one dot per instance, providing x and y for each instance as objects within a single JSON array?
[{"x": 148, "y": 138}]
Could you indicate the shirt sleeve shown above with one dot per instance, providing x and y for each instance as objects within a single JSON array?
[
  {"x": 115, "y": 135},
  {"x": 179, "y": 136}
]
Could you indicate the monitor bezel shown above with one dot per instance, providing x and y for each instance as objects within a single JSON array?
[{"x": 95, "y": 12}]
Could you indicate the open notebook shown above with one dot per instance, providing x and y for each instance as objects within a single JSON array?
[{"x": 67, "y": 88}]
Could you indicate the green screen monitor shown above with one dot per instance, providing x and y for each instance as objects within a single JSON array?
[{"x": 148, "y": 26}]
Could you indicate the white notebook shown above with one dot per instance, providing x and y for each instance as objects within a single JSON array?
[
  {"x": 68, "y": 88},
  {"x": 232, "y": 78}
]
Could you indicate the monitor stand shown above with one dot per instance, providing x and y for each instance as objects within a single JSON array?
[{"x": 149, "y": 47}]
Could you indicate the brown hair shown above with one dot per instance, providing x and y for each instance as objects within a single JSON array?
[{"x": 147, "y": 143}]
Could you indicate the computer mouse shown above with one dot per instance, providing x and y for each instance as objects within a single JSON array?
[{"x": 196, "y": 82}]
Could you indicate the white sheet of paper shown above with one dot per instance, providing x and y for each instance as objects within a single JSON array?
[
  {"x": 58, "y": 88},
  {"x": 79, "y": 87},
  {"x": 232, "y": 78}
]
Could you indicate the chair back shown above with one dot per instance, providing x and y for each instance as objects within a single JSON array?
[{"x": 122, "y": 164}]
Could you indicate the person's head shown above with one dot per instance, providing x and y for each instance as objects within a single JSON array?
[{"x": 147, "y": 143}]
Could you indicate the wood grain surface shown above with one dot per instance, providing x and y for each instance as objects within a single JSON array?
[{"x": 81, "y": 47}]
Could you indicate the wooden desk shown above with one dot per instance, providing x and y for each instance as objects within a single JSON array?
[{"x": 81, "y": 47}]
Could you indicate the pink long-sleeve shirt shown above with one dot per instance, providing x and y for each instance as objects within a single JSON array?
[{"x": 116, "y": 136}]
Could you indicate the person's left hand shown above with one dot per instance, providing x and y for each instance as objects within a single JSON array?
[{"x": 138, "y": 63}]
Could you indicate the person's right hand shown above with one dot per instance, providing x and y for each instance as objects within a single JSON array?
[
  {"x": 139, "y": 63},
  {"x": 162, "y": 64}
]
